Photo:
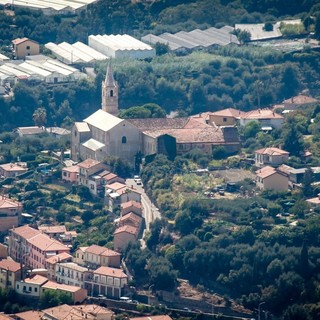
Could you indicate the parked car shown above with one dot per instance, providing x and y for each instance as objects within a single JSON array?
[{"x": 135, "y": 178}]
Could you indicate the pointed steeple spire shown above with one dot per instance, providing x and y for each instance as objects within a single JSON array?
[
  {"x": 109, "y": 80},
  {"x": 110, "y": 93}
]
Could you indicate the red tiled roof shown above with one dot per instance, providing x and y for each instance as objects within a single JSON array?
[
  {"x": 10, "y": 265},
  {"x": 71, "y": 169},
  {"x": 60, "y": 286},
  {"x": 21, "y": 40},
  {"x": 127, "y": 229},
  {"x": 266, "y": 172},
  {"x": 300, "y": 99},
  {"x": 59, "y": 258},
  {"x": 95, "y": 249},
  {"x": 229, "y": 112},
  {"x": 131, "y": 216},
  {"x": 261, "y": 114},
  {"x": 29, "y": 315},
  {"x": 272, "y": 151},
  {"x": 26, "y": 232},
  {"x": 131, "y": 203},
  {"x": 36, "y": 279},
  {"x": 7, "y": 203},
  {"x": 88, "y": 163},
  {"x": 53, "y": 229},
  {"x": 112, "y": 272},
  {"x": 45, "y": 243}
]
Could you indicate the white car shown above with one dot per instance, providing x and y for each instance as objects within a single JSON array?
[
  {"x": 135, "y": 178},
  {"x": 139, "y": 182}
]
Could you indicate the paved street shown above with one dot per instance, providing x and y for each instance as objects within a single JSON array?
[{"x": 150, "y": 211}]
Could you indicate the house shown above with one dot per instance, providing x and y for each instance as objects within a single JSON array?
[
  {"x": 30, "y": 131},
  {"x": 70, "y": 174},
  {"x": 3, "y": 251},
  {"x": 11, "y": 170},
  {"x": 32, "y": 247},
  {"x": 52, "y": 261},
  {"x": 118, "y": 193},
  {"x": 270, "y": 156},
  {"x": 122, "y": 236},
  {"x": 25, "y": 47},
  {"x": 131, "y": 206},
  {"x": 107, "y": 281},
  {"x": 225, "y": 117},
  {"x": 10, "y": 213},
  {"x": 70, "y": 273},
  {"x": 96, "y": 256},
  {"x": 270, "y": 178},
  {"x": 10, "y": 272},
  {"x": 130, "y": 219},
  {"x": 300, "y": 100},
  {"x": 31, "y": 286},
  {"x": 28, "y": 315},
  {"x": 53, "y": 231},
  {"x": 266, "y": 118},
  {"x": 77, "y": 294},
  {"x": 85, "y": 311},
  {"x": 58, "y": 132},
  {"x": 89, "y": 168}
]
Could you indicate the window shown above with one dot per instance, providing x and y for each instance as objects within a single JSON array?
[
  {"x": 28, "y": 47},
  {"x": 111, "y": 93},
  {"x": 35, "y": 289},
  {"x": 124, "y": 139},
  {"x": 224, "y": 119}
]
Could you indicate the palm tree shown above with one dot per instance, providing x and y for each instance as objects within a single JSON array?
[{"x": 40, "y": 117}]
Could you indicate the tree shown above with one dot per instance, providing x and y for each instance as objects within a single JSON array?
[
  {"x": 317, "y": 27},
  {"x": 251, "y": 129},
  {"x": 290, "y": 81},
  {"x": 161, "y": 48},
  {"x": 39, "y": 117},
  {"x": 292, "y": 138},
  {"x": 243, "y": 35},
  {"x": 268, "y": 26}
]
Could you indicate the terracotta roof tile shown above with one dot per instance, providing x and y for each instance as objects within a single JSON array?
[
  {"x": 261, "y": 114},
  {"x": 12, "y": 167},
  {"x": 71, "y": 169},
  {"x": 266, "y": 172},
  {"x": 159, "y": 123},
  {"x": 88, "y": 163},
  {"x": 112, "y": 272},
  {"x": 7, "y": 203},
  {"x": 60, "y": 286},
  {"x": 59, "y": 258},
  {"x": 127, "y": 229},
  {"x": 53, "y": 229},
  {"x": 45, "y": 243},
  {"x": 26, "y": 232},
  {"x": 272, "y": 151},
  {"x": 131, "y": 203},
  {"x": 301, "y": 99},
  {"x": 229, "y": 112},
  {"x": 36, "y": 279},
  {"x": 98, "y": 250},
  {"x": 21, "y": 40},
  {"x": 29, "y": 315},
  {"x": 131, "y": 216},
  {"x": 9, "y": 265}
]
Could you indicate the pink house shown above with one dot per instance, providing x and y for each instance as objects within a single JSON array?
[
  {"x": 32, "y": 247},
  {"x": 70, "y": 174},
  {"x": 131, "y": 206},
  {"x": 10, "y": 213},
  {"x": 123, "y": 236},
  {"x": 11, "y": 170}
]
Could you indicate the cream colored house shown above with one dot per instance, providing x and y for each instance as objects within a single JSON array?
[
  {"x": 270, "y": 156},
  {"x": 52, "y": 261},
  {"x": 225, "y": 117},
  {"x": 10, "y": 272},
  {"x": 10, "y": 213},
  {"x": 70, "y": 273},
  {"x": 25, "y": 47},
  {"x": 109, "y": 282},
  {"x": 31, "y": 286},
  {"x": 270, "y": 178}
]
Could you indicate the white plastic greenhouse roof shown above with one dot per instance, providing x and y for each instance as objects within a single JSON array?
[
  {"x": 194, "y": 39},
  {"x": 75, "y": 53},
  {"x": 121, "y": 42}
]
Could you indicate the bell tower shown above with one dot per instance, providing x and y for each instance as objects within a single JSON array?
[{"x": 110, "y": 93}]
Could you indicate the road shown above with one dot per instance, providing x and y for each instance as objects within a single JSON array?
[{"x": 150, "y": 211}]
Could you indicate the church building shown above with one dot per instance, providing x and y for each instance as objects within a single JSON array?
[{"x": 103, "y": 134}]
